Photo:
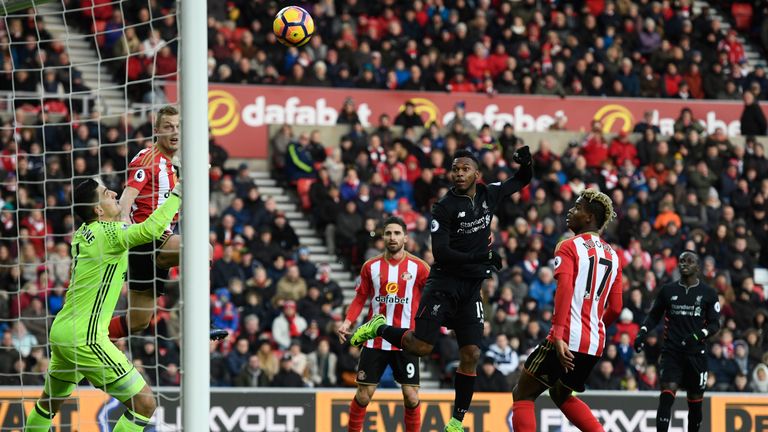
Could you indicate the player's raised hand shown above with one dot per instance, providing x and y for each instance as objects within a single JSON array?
[
  {"x": 522, "y": 156},
  {"x": 343, "y": 331},
  {"x": 565, "y": 355}
]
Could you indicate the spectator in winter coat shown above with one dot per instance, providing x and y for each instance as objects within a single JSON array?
[
  {"x": 288, "y": 325},
  {"x": 224, "y": 314},
  {"x": 625, "y": 325},
  {"x": 322, "y": 365},
  {"x": 490, "y": 379},
  {"x": 286, "y": 377},
  {"x": 252, "y": 375},
  {"x": 753, "y": 120},
  {"x": 504, "y": 357},
  {"x": 621, "y": 150},
  {"x": 291, "y": 286},
  {"x": 542, "y": 289}
]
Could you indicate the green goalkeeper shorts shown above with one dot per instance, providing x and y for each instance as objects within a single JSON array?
[{"x": 105, "y": 367}]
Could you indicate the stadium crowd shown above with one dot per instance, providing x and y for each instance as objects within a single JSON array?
[
  {"x": 687, "y": 191},
  {"x": 590, "y": 47}
]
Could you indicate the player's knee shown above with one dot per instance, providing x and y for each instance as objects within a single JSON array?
[
  {"x": 363, "y": 395},
  {"x": 144, "y": 405},
  {"x": 166, "y": 260},
  {"x": 559, "y": 394},
  {"x": 411, "y": 399},
  {"x": 669, "y": 387},
  {"x": 469, "y": 356},
  {"x": 140, "y": 320}
]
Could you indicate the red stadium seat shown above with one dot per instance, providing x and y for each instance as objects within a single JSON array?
[{"x": 742, "y": 15}]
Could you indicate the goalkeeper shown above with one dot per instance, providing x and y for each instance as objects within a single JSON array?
[{"x": 79, "y": 339}]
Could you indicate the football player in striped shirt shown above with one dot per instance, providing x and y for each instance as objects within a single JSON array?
[
  {"x": 79, "y": 341},
  {"x": 587, "y": 301},
  {"x": 391, "y": 284},
  {"x": 151, "y": 177}
]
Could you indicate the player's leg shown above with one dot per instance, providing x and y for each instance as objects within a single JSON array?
[
  {"x": 524, "y": 394},
  {"x": 41, "y": 416},
  {"x": 60, "y": 381},
  {"x": 664, "y": 411},
  {"x": 405, "y": 368},
  {"x": 695, "y": 383},
  {"x": 539, "y": 373},
  {"x": 671, "y": 375},
  {"x": 433, "y": 308},
  {"x": 467, "y": 323},
  {"x": 169, "y": 253},
  {"x": 55, "y": 393},
  {"x": 144, "y": 286},
  {"x": 140, "y": 409},
  {"x": 562, "y": 392},
  {"x": 107, "y": 368},
  {"x": 359, "y": 405},
  {"x": 370, "y": 367},
  {"x": 141, "y": 309}
]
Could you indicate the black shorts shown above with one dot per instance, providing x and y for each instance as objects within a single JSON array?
[
  {"x": 373, "y": 362},
  {"x": 143, "y": 274},
  {"x": 688, "y": 371},
  {"x": 454, "y": 303},
  {"x": 544, "y": 365}
]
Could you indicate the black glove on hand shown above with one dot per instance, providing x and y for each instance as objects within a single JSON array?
[
  {"x": 522, "y": 156},
  {"x": 494, "y": 259},
  {"x": 640, "y": 339},
  {"x": 695, "y": 337}
]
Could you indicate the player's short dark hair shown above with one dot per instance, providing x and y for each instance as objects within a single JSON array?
[
  {"x": 692, "y": 252},
  {"x": 85, "y": 198},
  {"x": 397, "y": 221},
  {"x": 463, "y": 153}
]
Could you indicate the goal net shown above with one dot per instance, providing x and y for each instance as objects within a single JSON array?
[{"x": 79, "y": 84}]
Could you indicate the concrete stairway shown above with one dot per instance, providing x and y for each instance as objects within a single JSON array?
[
  {"x": 753, "y": 54},
  {"x": 109, "y": 96},
  {"x": 308, "y": 236}
]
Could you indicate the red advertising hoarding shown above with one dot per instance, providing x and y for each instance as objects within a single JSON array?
[{"x": 239, "y": 114}]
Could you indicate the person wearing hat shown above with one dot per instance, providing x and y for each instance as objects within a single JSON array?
[
  {"x": 307, "y": 269},
  {"x": 691, "y": 312}
]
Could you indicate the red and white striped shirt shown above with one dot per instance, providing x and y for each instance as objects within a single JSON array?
[
  {"x": 588, "y": 273},
  {"x": 391, "y": 288},
  {"x": 152, "y": 174}
]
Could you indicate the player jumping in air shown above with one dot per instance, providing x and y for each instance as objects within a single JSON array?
[
  {"x": 80, "y": 345},
  {"x": 691, "y": 313},
  {"x": 151, "y": 177},
  {"x": 461, "y": 232},
  {"x": 587, "y": 301},
  {"x": 391, "y": 284}
]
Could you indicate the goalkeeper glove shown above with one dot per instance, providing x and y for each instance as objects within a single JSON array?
[
  {"x": 522, "y": 156},
  {"x": 696, "y": 337},
  {"x": 176, "y": 162},
  {"x": 640, "y": 339}
]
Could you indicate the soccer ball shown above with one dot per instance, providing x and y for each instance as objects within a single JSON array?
[{"x": 293, "y": 26}]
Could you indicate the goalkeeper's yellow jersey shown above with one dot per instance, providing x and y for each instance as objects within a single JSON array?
[{"x": 99, "y": 263}]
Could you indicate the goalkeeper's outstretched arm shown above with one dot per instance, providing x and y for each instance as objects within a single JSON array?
[{"x": 156, "y": 223}]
